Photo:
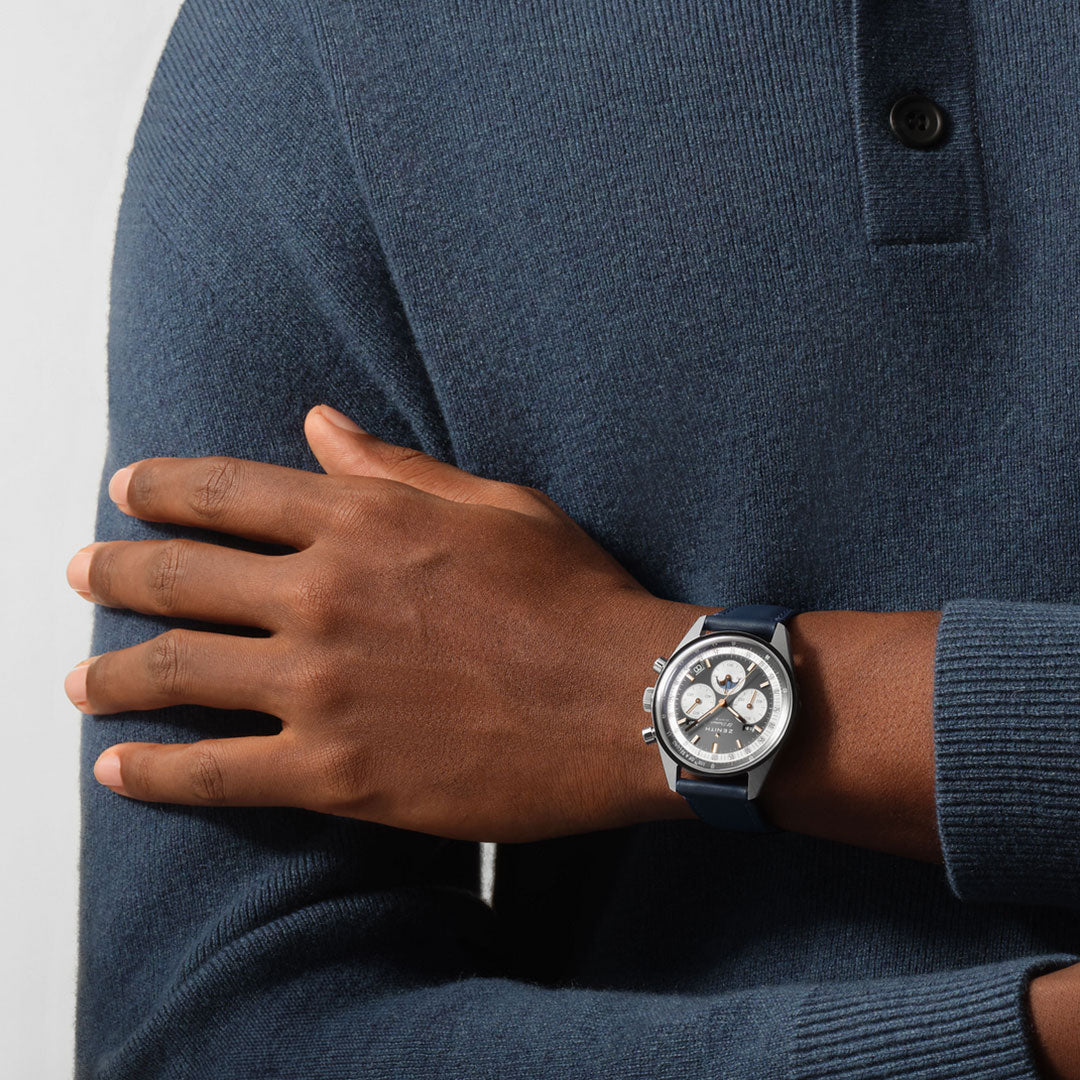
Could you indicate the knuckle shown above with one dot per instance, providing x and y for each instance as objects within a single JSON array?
[
  {"x": 165, "y": 664},
  {"x": 413, "y": 465},
  {"x": 139, "y": 773},
  {"x": 534, "y": 497},
  {"x": 215, "y": 490},
  {"x": 143, "y": 487},
  {"x": 206, "y": 775},
  {"x": 519, "y": 497},
  {"x": 165, "y": 573},
  {"x": 344, "y": 777},
  {"x": 313, "y": 597},
  {"x": 102, "y": 573},
  {"x": 352, "y": 507},
  {"x": 315, "y": 682}
]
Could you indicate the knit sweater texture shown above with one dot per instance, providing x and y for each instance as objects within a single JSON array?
[{"x": 666, "y": 262}]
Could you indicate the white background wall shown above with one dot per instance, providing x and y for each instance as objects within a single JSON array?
[{"x": 73, "y": 77}]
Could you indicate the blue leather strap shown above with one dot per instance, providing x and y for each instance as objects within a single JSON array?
[
  {"x": 757, "y": 619},
  {"x": 722, "y": 802}
]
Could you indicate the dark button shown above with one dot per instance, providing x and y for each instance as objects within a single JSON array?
[{"x": 916, "y": 121}]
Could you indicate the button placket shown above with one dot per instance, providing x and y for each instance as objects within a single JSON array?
[{"x": 915, "y": 122}]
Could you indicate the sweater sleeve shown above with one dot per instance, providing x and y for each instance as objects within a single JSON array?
[
  {"x": 247, "y": 286},
  {"x": 1007, "y": 750},
  {"x": 379, "y": 985},
  {"x": 235, "y": 943}
]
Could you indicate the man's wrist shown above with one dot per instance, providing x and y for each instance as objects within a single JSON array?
[
  {"x": 1054, "y": 1001},
  {"x": 657, "y": 627},
  {"x": 858, "y": 764}
]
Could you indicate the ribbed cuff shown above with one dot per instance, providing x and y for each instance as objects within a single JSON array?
[
  {"x": 972, "y": 1023},
  {"x": 1007, "y": 750}
]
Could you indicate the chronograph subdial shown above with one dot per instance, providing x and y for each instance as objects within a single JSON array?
[
  {"x": 728, "y": 676},
  {"x": 697, "y": 700},
  {"x": 751, "y": 706}
]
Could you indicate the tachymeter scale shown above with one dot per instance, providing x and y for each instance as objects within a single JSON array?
[{"x": 723, "y": 703}]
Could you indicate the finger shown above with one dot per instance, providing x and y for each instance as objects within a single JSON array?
[
  {"x": 344, "y": 449},
  {"x": 179, "y": 667},
  {"x": 180, "y": 578},
  {"x": 230, "y": 495},
  {"x": 247, "y": 771}
]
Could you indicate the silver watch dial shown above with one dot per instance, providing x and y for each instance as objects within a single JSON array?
[{"x": 723, "y": 703}]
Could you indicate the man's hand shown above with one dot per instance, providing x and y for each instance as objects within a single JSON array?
[{"x": 446, "y": 653}]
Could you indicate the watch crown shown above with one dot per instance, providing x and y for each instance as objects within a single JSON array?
[
  {"x": 647, "y": 698},
  {"x": 659, "y": 664},
  {"x": 649, "y": 735}
]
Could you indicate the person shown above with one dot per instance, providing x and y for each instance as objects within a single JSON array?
[{"x": 461, "y": 357}]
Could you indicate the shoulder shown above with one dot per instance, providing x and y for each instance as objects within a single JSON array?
[{"x": 241, "y": 142}]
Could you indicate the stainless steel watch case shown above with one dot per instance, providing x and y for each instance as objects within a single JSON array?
[{"x": 780, "y": 643}]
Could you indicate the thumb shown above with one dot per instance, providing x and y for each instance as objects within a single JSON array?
[{"x": 343, "y": 448}]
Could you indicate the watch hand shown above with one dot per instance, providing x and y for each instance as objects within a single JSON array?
[
  {"x": 718, "y": 705},
  {"x": 734, "y": 690},
  {"x": 697, "y": 701}
]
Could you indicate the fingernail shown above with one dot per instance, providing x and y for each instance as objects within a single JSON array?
[
  {"x": 118, "y": 485},
  {"x": 78, "y": 570},
  {"x": 339, "y": 419},
  {"x": 75, "y": 684},
  {"x": 107, "y": 769}
]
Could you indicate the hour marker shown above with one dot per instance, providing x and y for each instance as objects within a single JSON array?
[
  {"x": 763, "y": 685},
  {"x": 757, "y": 729},
  {"x": 738, "y": 743},
  {"x": 690, "y": 676},
  {"x": 714, "y": 746},
  {"x": 681, "y": 721},
  {"x": 707, "y": 664},
  {"x": 695, "y": 738},
  {"x": 750, "y": 668}
]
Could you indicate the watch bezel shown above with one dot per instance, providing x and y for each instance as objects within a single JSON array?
[{"x": 752, "y": 762}]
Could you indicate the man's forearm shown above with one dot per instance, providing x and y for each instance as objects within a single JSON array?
[
  {"x": 858, "y": 766},
  {"x": 1055, "y": 1014}
]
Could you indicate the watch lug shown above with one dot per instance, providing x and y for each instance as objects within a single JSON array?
[
  {"x": 671, "y": 769},
  {"x": 693, "y": 632},
  {"x": 781, "y": 642},
  {"x": 755, "y": 777}
]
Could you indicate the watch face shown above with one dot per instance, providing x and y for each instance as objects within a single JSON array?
[{"x": 723, "y": 703}]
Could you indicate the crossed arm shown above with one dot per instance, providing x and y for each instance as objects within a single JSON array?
[
  {"x": 542, "y": 719},
  {"x": 400, "y": 566}
]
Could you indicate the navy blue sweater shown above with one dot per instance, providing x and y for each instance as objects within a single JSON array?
[{"x": 667, "y": 262}]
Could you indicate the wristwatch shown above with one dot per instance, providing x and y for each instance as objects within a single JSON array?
[{"x": 721, "y": 709}]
